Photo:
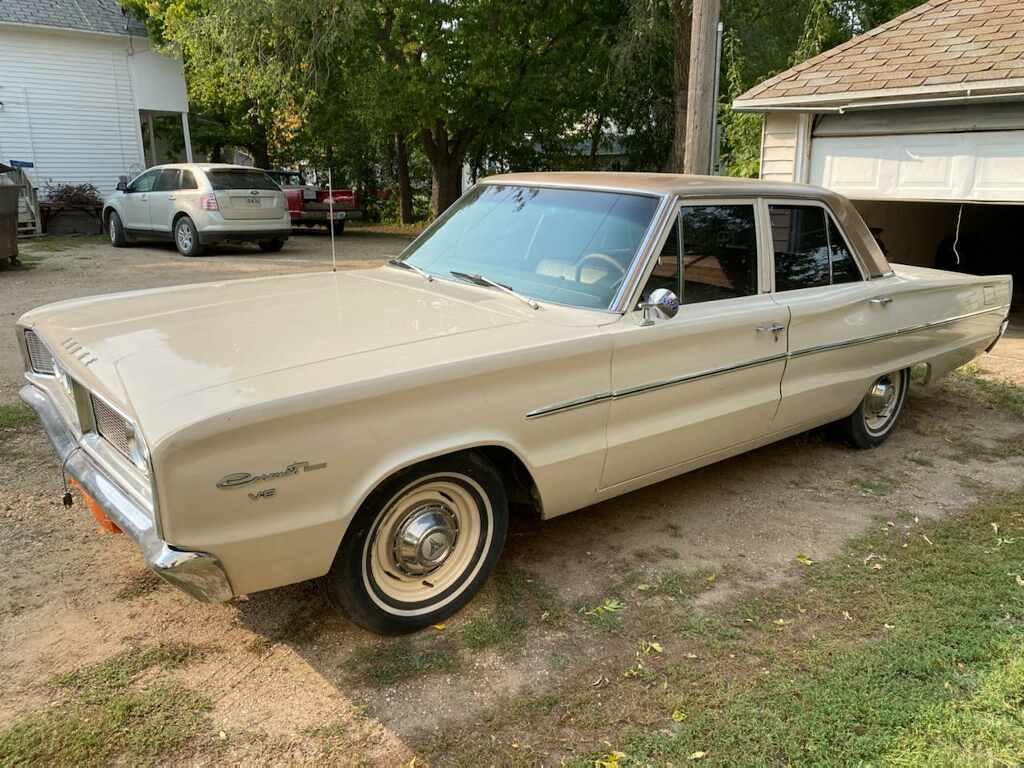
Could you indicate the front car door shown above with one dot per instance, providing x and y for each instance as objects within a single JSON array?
[
  {"x": 696, "y": 386},
  {"x": 135, "y": 208}
]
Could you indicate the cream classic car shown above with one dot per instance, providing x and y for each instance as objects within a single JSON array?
[{"x": 552, "y": 341}]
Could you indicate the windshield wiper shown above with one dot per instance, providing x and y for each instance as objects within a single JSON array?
[
  {"x": 411, "y": 267},
  {"x": 487, "y": 282}
]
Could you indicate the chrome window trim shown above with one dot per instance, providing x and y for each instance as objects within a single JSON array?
[
  {"x": 569, "y": 405},
  {"x": 806, "y": 201}
]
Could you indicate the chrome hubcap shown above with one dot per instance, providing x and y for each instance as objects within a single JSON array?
[
  {"x": 881, "y": 402},
  {"x": 113, "y": 229},
  {"x": 425, "y": 539},
  {"x": 184, "y": 237}
]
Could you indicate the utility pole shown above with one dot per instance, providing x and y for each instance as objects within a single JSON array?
[{"x": 700, "y": 101}]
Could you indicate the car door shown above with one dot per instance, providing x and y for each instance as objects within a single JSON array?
[
  {"x": 706, "y": 380},
  {"x": 162, "y": 199},
  {"x": 136, "y": 201},
  {"x": 834, "y": 314}
]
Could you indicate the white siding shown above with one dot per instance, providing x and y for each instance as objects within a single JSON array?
[
  {"x": 985, "y": 166},
  {"x": 69, "y": 106},
  {"x": 779, "y": 146}
]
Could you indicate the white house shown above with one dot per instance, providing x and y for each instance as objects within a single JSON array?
[
  {"x": 83, "y": 97},
  {"x": 919, "y": 121}
]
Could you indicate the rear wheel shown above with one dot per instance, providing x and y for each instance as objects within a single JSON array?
[
  {"x": 421, "y": 545},
  {"x": 118, "y": 237},
  {"x": 338, "y": 227},
  {"x": 271, "y": 246},
  {"x": 876, "y": 416},
  {"x": 186, "y": 237}
]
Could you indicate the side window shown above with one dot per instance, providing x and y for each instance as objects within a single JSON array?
[
  {"x": 719, "y": 244},
  {"x": 801, "y": 246},
  {"x": 188, "y": 181},
  {"x": 167, "y": 181},
  {"x": 145, "y": 182},
  {"x": 666, "y": 271},
  {"x": 844, "y": 266}
]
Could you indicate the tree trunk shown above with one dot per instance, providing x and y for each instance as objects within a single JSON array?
[
  {"x": 446, "y": 154},
  {"x": 681, "y": 34},
  {"x": 404, "y": 183}
]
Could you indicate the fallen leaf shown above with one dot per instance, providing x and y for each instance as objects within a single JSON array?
[
  {"x": 697, "y": 755},
  {"x": 847, "y": 616},
  {"x": 928, "y": 540},
  {"x": 691, "y": 656},
  {"x": 678, "y": 715},
  {"x": 439, "y": 627},
  {"x": 995, "y": 528},
  {"x": 804, "y": 560},
  {"x": 889, "y": 626}
]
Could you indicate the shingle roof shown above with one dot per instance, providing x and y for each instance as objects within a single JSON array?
[
  {"x": 942, "y": 46},
  {"x": 82, "y": 15}
]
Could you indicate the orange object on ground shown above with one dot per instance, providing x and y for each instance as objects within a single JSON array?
[{"x": 104, "y": 522}]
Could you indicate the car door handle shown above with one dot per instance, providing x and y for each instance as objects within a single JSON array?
[
  {"x": 773, "y": 328},
  {"x": 172, "y": 197},
  {"x": 881, "y": 300}
]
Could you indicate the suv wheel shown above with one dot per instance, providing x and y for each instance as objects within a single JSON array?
[
  {"x": 115, "y": 229},
  {"x": 186, "y": 238},
  {"x": 421, "y": 545},
  {"x": 271, "y": 246}
]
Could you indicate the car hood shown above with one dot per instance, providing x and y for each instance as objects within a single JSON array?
[{"x": 144, "y": 349}]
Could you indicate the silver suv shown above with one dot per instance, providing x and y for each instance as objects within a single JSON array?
[{"x": 197, "y": 204}]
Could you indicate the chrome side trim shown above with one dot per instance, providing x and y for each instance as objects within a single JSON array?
[
  {"x": 892, "y": 334},
  {"x": 198, "y": 574},
  {"x": 582, "y": 402}
]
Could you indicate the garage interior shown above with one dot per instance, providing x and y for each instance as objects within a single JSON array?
[{"x": 990, "y": 241}]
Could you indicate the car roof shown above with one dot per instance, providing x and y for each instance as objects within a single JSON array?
[{"x": 206, "y": 166}]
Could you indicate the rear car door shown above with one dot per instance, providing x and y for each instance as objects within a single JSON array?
[
  {"x": 708, "y": 379},
  {"x": 834, "y": 314},
  {"x": 135, "y": 205},
  {"x": 162, "y": 199},
  {"x": 246, "y": 194}
]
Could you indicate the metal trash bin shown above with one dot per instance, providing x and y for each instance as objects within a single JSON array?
[{"x": 8, "y": 217}]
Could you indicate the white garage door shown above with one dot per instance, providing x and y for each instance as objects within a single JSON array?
[{"x": 978, "y": 166}]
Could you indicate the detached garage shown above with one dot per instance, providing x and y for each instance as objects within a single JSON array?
[{"x": 921, "y": 123}]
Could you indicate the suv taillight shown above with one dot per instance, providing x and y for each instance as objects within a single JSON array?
[{"x": 209, "y": 202}]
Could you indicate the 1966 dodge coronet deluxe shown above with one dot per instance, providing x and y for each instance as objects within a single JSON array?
[{"x": 552, "y": 341}]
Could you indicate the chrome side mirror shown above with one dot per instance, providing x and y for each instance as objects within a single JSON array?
[{"x": 661, "y": 302}]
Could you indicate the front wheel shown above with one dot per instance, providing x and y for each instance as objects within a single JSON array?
[
  {"x": 118, "y": 237},
  {"x": 271, "y": 246},
  {"x": 876, "y": 416},
  {"x": 421, "y": 545},
  {"x": 186, "y": 237}
]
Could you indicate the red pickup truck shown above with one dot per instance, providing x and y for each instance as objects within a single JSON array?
[{"x": 310, "y": 207}]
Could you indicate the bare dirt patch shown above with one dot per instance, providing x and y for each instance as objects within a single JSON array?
[{"x": 289, "y": 682}]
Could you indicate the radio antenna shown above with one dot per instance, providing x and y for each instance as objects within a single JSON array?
[{"x": 330, "y": 224}]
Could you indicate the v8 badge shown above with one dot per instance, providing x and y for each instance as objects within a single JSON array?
[{"x": 263, "y": 493}]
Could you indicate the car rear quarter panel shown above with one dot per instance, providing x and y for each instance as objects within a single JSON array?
[{"x": 399, "y": 409}]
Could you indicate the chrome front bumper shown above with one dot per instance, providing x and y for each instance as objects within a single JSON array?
[{"x": 198, "y": 574}]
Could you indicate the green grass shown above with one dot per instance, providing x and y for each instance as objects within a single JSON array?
[
  {"x": 394, "y": 661},
  {"x": 929, "y": 662},
  {"x": 996, "y": 394},
  {"x": 511, "y": 597},
  {"x": 109, "y": 716},
  {"x": 60, "y": 243},
  {"x": 15, "y": 415}
]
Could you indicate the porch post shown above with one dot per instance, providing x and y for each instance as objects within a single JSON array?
[{"x": 188, "y": 137}]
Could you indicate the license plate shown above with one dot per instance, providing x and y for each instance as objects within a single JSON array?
[{"x": 253, "y": 201}]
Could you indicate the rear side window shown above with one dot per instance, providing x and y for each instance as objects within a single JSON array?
[
  {"x": 719, "y": 247},
  {"x": 167, "y": 181},
  {"x": 241, "y": 179},
  {"x": 188, "y": 181},
  {"x": 810, "y": 251}
]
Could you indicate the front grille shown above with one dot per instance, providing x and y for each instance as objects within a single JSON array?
[
  {"x": 38, "y": 355},
  {"x": 111, "y": 425}
]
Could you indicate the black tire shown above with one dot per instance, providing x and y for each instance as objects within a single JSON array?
[
  {"x": 866, "y": 427},
  {"x": 477, "y": 498},
  {"x": 118, "y": 237},
  {"x": 186, "y": 238},
  {"x": 271, "y": 246},
  {"x": 338, "y": 227}
]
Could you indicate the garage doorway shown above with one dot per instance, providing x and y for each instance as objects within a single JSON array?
[{"x": 925, "y": 234}]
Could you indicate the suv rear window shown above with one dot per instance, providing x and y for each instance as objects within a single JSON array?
[{"x": 240, "y": 179}]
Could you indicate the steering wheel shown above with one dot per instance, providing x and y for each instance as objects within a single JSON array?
[{"x": 602, "y": 257}]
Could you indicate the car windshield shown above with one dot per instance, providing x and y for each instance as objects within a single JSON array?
[
  {"x": 240, "y": 179},
  {"x": 566, "y": 246}
]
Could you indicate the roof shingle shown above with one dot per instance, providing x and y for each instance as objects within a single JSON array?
[
  {"x": 950, "y": 43},
  {"x": 103, "y": 16}
]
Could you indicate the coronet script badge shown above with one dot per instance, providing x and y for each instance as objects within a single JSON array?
[{"x": 236, "y": 479}]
